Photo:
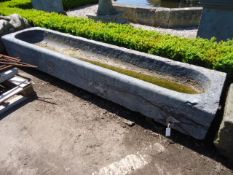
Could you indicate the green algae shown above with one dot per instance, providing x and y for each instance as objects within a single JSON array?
[
  {"x": 153, "y": 79},
  {"x": 160, "y": 81}
]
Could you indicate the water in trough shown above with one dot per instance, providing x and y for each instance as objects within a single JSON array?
[
  {"x": 161, "y": 3},
  {"x": 185, "y": 86}
]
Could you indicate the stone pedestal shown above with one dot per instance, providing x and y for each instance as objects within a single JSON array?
[
  {"x": 106, "y": 8},
  {"x": 48, "y": 5},
  {"x": 217, "y": 19},
  {"x": 224, "y": 140}
]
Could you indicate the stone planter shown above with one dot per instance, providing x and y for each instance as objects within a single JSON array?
[{"x": 190, "y": 114}]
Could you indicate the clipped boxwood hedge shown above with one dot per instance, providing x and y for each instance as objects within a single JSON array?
[
  {"x": 69, "y": 4},
  {"x": 203, "y": 52}
]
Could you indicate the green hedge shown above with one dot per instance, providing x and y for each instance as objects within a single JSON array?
[
  {"x": 69, "y": 4},
  {"x": 207, "y": 53}
]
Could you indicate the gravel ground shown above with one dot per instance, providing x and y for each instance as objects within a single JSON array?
[
  {"x": 89, "y": 11},
  {"x": 68, "y": 131}
]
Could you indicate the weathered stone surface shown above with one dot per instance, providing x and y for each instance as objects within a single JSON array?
[
  {"x": 105, "y": 8},
  {"x": 18, "y": 22},
  {"x": 216, "y": 20},
  {"x": 48, "y": 5},
  {"x": 9, "y": 24},
  {"x": 12, "y": 23},
  {"x": 4, "y": 27},
  {"x": 185, "y": 17},
  {"x": 162, "y": 17},
  {"x": 190, "y": 114},
  {"x": 224, "y": 140}
]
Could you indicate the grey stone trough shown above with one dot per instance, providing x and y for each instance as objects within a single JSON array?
[
  {"x": 191, "y": 114},
  {"x": 161, "y": 16}
]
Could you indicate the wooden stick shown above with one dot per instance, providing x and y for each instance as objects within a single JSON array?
[
  {"x": 9, "y": 61},
  {"x": 5, "y": 68},
  {"x": 18, "y": 64},
  {"x": 9, "y": 57}
]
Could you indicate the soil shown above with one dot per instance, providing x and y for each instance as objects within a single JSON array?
[{"x": 66, "y": 130}]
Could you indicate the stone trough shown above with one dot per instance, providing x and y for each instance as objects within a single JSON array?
[
  {"x": 161, "y": 16},
  {"x": 126, "y": 77}
]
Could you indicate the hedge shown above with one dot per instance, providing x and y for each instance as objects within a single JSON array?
[{"x": 202, "y": 52}]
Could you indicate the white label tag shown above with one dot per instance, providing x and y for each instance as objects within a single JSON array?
[{"x": 168, "y": 132}]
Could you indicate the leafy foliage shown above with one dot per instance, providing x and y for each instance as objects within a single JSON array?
[{"x": 202, "y": 52}]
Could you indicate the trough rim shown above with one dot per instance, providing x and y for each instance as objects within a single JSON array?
[{"x": 156, "y": 8}]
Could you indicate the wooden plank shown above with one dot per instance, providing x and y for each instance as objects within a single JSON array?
[
  {"x": 12, "y": 102},
  {"x": 8, "y": 74},
  {"x": 20, "y": 84}
]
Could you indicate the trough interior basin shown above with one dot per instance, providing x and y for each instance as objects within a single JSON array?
[{"x": 157, "y": 72}]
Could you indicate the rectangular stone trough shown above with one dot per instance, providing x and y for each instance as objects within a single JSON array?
[
  {"x": 93, "y": 66},
  {"x": 161, "y": 16}
]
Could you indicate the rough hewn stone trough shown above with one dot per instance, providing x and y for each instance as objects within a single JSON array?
[
  {"x": 191, "y": 114},
  {"x": 160, "y": 16}
]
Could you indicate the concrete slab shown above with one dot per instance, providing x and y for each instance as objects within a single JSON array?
[{"x": 224, "y": 140}]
